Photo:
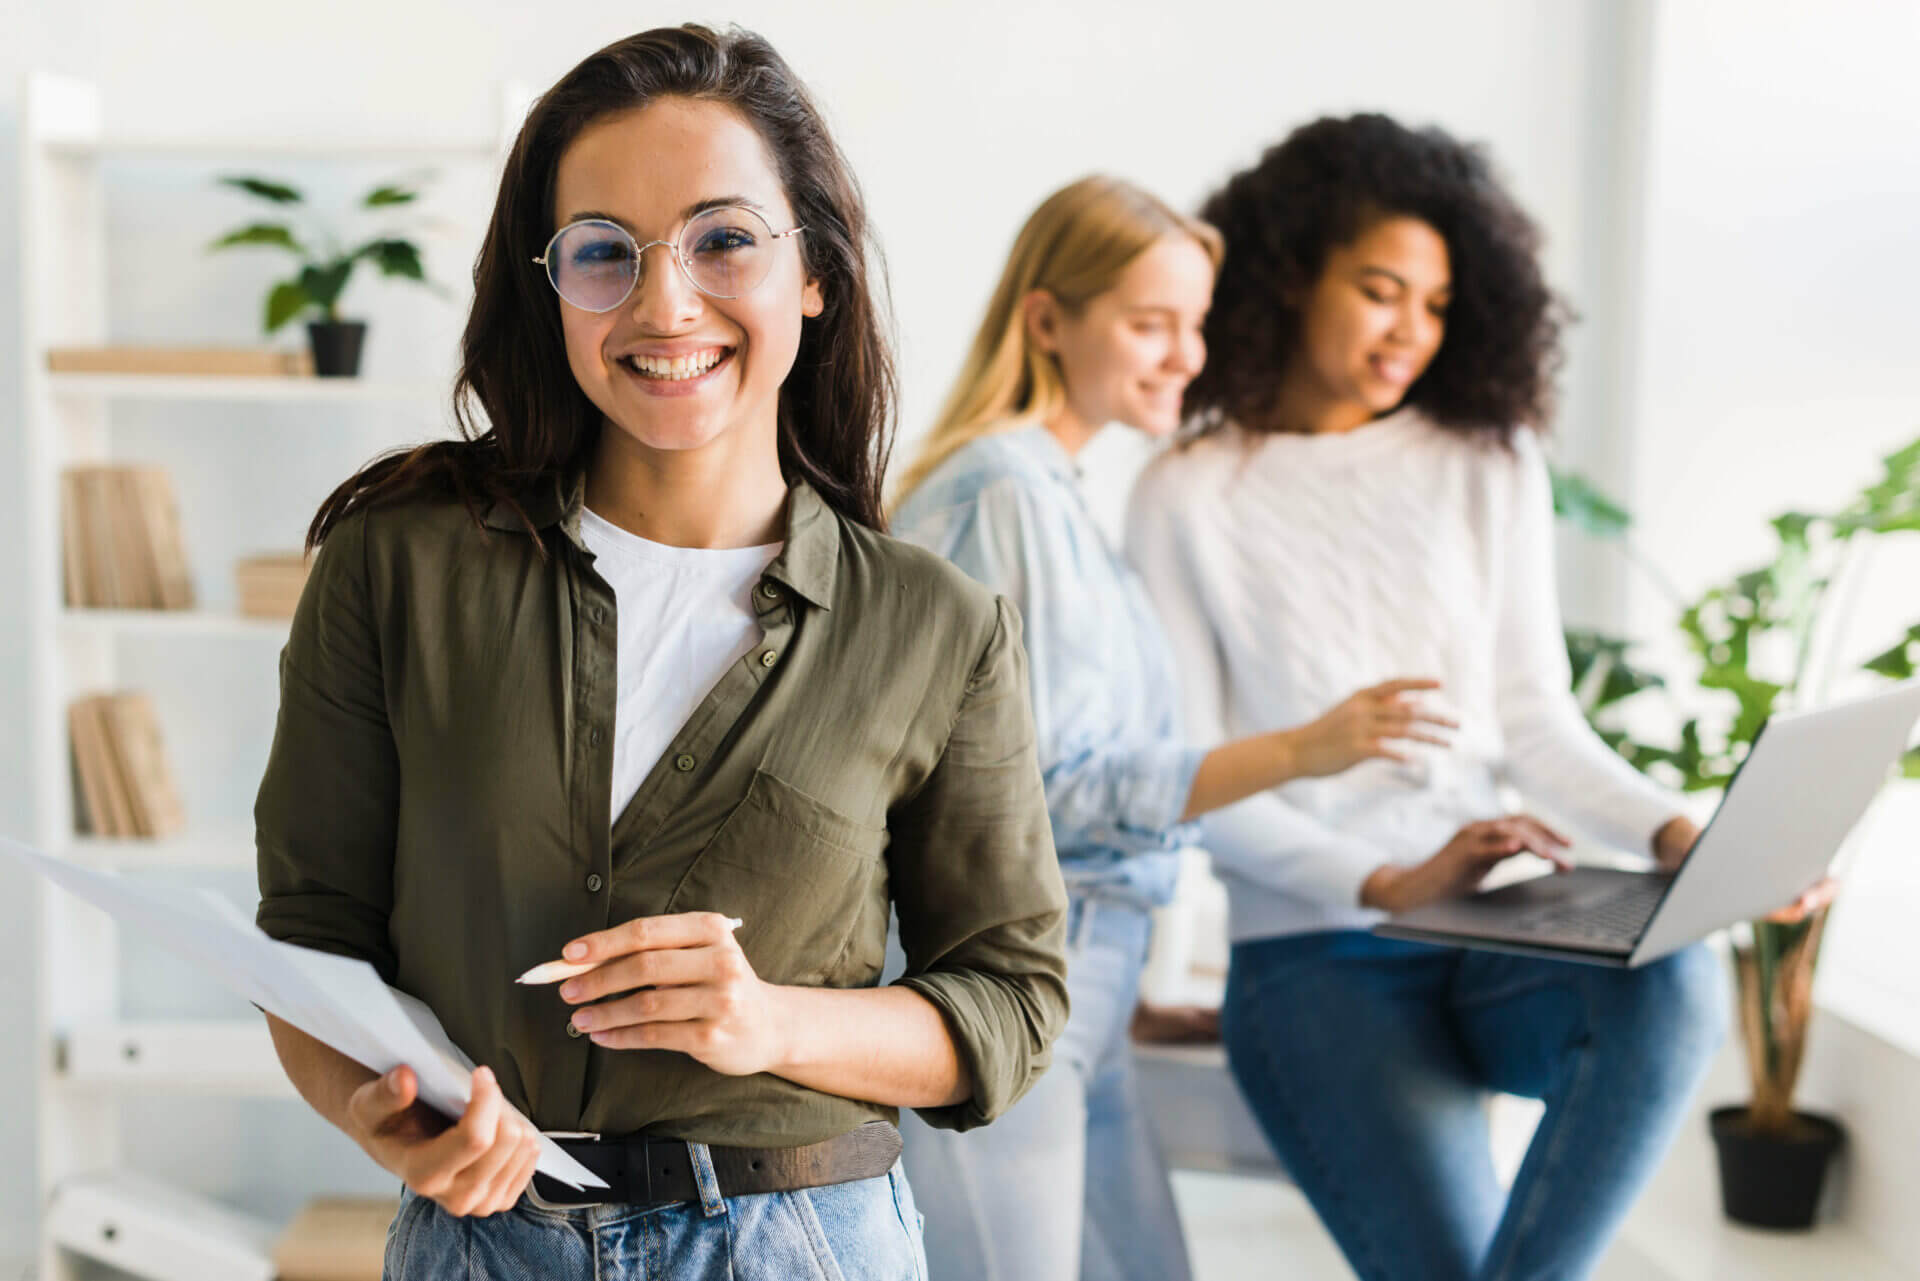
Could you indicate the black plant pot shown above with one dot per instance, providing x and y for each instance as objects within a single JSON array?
[
  {"x": 1772, "y": 1180},
  {"x": 336, "y": 347}
]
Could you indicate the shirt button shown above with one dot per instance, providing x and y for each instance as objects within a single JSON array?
[
  {"x": 768, "y": 591},
  {"x": 595, "y": 737},
  {"x": 599, "y": 614},
  {"x": 769, "y": 658},
  {"x": 594, "y": 883},
  {"x": 574, "y": 1031},
  {"x": 684, "y": 762}
]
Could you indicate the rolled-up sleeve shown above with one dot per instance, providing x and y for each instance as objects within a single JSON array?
[
  {"x": 978, "y": 891},
  {"x": 326, "y": 813}
]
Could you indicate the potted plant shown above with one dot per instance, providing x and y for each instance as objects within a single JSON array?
[
  {"x": 1764, "y": 638},
  {"x": 325, "y": 266}
]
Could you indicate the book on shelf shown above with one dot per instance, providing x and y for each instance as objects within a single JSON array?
[
  {"x": 269, "y": 586},
  {"x": 206, "y": 362},
  {"x": 126, "y": 786},
  {"x": 120, "y": 536}
]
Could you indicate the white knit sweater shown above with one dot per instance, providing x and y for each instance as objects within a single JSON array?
[{"x": 1291, "y": 570}]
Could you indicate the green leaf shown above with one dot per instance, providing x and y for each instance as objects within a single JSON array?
[
  {"x": 286, "y": 301},
  {"x": 393, "y": 258},
  {"x": 1897, "y": 663},
  {"x": 1576, "y": 500},
  {"x": 276, "y": 234},
  {"x": 1792, "y": 527},
  {"x": 325, "y": 283},
  {"x": 390, "y": 195},
  {"x": 279, "y": 193}
]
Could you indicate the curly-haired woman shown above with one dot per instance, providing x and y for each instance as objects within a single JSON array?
[
  {"x": 1367, "y": 496},
  {"x": 1096, "y": 321}
]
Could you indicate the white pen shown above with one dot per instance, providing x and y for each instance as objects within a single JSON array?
[{"x": 556, "y": 971}]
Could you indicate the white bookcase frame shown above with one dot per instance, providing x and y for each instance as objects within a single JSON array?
[{"x": 87, "y": 1055}]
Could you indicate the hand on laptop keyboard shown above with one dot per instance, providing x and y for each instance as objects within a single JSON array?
[{"x": 1462, "y": 863}]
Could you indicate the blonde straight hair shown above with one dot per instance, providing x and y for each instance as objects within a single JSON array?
[{"x": 1075, "y": 247}]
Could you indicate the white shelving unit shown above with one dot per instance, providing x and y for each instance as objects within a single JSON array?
[{"x": 89, "y": 1055}]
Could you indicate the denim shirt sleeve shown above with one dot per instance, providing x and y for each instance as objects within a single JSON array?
[{"x": 1020, "y": 542}]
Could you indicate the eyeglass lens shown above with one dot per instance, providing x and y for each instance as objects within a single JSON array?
[{"x": 724, "y": 252}]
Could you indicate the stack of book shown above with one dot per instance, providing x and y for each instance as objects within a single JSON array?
[
  {"x": 120, "y": 531},
  {"x": 270, "y": 586},
  {"x": 228, "y": 362},
  {"x": 125, "y": 785}
]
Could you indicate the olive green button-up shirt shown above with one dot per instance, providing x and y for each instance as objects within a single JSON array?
[{"x": 437, "y": 803}]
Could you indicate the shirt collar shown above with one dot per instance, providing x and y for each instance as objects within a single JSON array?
[
  {"x": 809, "y": 563},
  {"x": 1045, "y": 448}
]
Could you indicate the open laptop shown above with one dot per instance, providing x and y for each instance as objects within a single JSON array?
[{"x": 1807, "y": 780}]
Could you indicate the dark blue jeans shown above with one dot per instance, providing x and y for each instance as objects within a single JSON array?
[{"x": 1368, "y": 1062}]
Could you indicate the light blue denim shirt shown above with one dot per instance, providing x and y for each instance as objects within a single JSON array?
[{"x": 1008, "y": 510}]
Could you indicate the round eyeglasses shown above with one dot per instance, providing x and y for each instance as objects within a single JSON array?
[{"x": 725, "y": 253}]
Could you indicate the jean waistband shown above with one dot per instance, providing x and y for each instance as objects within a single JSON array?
[{"x": 1097, "y": 910}]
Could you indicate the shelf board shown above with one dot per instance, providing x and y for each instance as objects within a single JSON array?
[
  {"x": 222, "y": 845},
  {"x": 281, "y": 389},
  {"x": 226, "y": 1057},
  {"x": 172, "y": 622}
]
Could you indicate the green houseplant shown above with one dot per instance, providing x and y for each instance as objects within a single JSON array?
[
  {"x": 325, "y": 266},
  {"x": 1757, "y": 638}
]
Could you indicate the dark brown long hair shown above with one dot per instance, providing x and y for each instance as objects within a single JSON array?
[{"x": 524, "y": 420}]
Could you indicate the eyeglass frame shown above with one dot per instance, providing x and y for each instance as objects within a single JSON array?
[{"x": 639, "y": 250}]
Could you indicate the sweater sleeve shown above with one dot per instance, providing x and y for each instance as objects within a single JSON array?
[
  {"x": 1552, "y": 754},
  {"x": 1261, "y": 839}
]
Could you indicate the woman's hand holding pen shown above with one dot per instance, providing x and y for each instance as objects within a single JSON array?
[
  {"x": 1365, "y": 727},
  {"x": 478, "y": 1165},
  {"x": 687, "y": 986}
]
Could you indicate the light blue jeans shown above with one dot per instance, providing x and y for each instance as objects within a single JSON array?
[
  {"x": 867, "y": 1230},
  {"x": 1069, "y": 1185},
  {"x": 1368, "y": 1062}
]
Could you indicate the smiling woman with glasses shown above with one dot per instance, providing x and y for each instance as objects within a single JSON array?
[{"x": 631, "y": 679}]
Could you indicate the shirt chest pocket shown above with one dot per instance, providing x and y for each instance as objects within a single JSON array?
[{"x": 795, "y": 872}]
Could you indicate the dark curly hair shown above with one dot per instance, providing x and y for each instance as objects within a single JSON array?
[{"x": 1320, "y": 188}]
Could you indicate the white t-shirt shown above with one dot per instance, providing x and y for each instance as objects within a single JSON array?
[{"x": 685, "y": 615}]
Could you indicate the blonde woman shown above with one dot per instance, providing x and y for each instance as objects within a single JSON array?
[{"x": 1096, "y": 319}]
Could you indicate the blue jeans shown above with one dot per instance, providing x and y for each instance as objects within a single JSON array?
[
  {"x": 1368, "y": 1062},
  {"x": 1069, "y": 1184},
  {"x": 867, "y": 1230}
]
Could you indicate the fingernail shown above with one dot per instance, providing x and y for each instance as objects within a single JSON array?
[
  {"x": 600, "y": 1038},
  {"x": 486, "y": 1073},
  {"x": 569, "y": 991},
  {"x": 574, "y": 951},
  {"x": 583, "y": 1021}
]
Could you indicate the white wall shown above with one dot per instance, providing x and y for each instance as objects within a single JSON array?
[
  {"x": 1776, "y": 352},
  {"x": 958, "y": 120}
]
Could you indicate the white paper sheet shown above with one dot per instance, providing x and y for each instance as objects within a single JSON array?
[{"x": 332, "y": 998}]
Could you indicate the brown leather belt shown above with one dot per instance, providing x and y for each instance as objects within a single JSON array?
[{"x": 645, "y": 1171}]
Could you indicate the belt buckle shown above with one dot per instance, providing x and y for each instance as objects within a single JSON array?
[{"x": 545, "y": 1204}]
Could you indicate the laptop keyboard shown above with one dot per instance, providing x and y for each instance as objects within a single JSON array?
[{"x": 1615, "y": 920}]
